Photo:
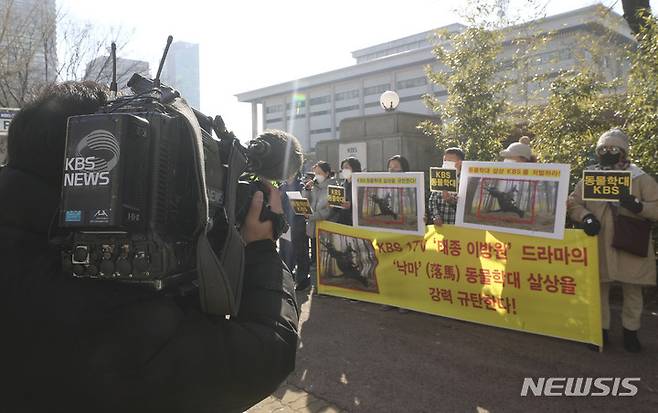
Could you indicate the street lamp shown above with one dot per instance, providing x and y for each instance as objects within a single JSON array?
[{"x": 389, "y": 100}]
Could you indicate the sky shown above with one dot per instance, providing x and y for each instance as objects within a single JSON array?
[{"x": 248, "y": 44}]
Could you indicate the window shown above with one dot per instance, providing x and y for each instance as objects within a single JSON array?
[
  {"x": 376, "y": 90},
  {"x": 350, "y": 94},
  {"x": 274, "y": 109},
  {"x": 296, "y": 117},
  {"x": 320, "y": 100},
  {"x": 411, "y": 98},
  {"x": 273, "y": 120},
  {"x": 371, "y": 104},
  {"x": 347, "y": 108},
  {"x": 320, "y": 113},
  {"x": 405, "y": 84},
  {"x": 297, "y": 104},
  {"x": 318, "y": 131}
]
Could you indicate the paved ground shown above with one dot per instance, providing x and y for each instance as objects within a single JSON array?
[{"x": 354, "y": 357}]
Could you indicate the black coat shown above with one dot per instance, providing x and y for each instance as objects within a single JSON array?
[
  {"x": 345, "y": 215},
  {"x": 71, "y": 345}
]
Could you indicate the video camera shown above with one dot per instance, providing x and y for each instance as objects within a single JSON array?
[{"x": 151, "y": 197}]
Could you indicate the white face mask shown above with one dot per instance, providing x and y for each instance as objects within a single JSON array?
[
  {"x": 449, "y": 165},
  {"x": 319, "y": 178},
  {"x": 346, "y": 173},
  {"x": 510, "y": 160}
]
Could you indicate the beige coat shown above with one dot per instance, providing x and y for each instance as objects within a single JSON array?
[{"x": 616, "y": 265}]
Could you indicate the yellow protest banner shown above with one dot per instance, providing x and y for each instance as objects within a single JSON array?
[{"x": 537, "y": 285}]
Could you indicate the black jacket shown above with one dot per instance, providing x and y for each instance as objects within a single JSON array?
[
  {"x": 345, "y": 215},
  {"x": 72, "y": 345}
]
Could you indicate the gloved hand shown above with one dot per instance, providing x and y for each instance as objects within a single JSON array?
[
  {"x": 631, "y": 203},
  {"x": 591, "y": 225}
]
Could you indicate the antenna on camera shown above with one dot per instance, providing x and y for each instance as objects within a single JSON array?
[
  {"x": 156, "y": 81},
  {"x": 113, "y": 85}
]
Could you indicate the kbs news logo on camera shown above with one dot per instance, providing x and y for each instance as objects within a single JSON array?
[
  {"x": 580, "y": 386},
  {"x": 95, "y": 156}
]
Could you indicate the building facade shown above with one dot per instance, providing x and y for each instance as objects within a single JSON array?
[
  {"x": 181, "y": 71},
  {"x": 313, "y": 107},
  {"x": 100, "y": 70}
]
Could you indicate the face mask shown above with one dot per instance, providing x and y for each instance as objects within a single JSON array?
[
  {"x": 510, "y": 160},
  {"x": 449, "y": 165},
  {"x": 608, "y": 159},
  {"x": 319, "y": 179},
  {"x": 346, "y": 173}
]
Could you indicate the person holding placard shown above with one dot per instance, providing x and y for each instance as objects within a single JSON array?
[
  {"x": 398, "y": 163},
  {"x": 348, "y": 166},
  {"x": 442, "y": 206},
  {"x": 626, "y": 252},
  {"x": 519, "y": 151},
  {"x": 316, "y": 193},
  {"x": 294, "y": 251}
]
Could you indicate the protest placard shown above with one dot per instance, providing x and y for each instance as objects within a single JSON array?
[
  {"x": 537, "y": 285},
  {"x": 335, "y": 196},
  {"x": 606, "y": 185},
  {"x": 443, "y": 180},
  {"x": 299, "y": 204},
  {"x": 391, "y": 201},
  {"x": 520, "y": 198}
]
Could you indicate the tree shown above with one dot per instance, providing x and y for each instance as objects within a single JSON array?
[
  {"x": 86, "y": 52},
  {"x": 472, "y": 115},
  {"x": 642, "y": 98},
  {"x": 28, "y": 48},
  {"x": 636, "y": 13},
  {"x": 478, "y": 113},
  {"x": 577, "y": 113}
]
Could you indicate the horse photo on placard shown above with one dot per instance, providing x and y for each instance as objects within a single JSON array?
[
  {"x": 521, "y": 198},
  {"x": 346, "y": 262},
  {"x": 389, "y": 201}
]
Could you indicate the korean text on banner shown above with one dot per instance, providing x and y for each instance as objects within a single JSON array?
[{"x": 536, "y": 285}]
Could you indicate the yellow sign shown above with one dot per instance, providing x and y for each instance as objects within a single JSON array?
[
  {"x": 301, "y": 206},
  {"x": 335, "y": 196},
  {"x": 537, "y": 285},
  {"x": 443, "y": 180},
  {"x": 517, "y": 171},
  {"x": 606, "y": 185},
  {"x": 384, "y": 181}
]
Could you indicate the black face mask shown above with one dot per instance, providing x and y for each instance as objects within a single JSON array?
[{"x": 608, "y": 159}]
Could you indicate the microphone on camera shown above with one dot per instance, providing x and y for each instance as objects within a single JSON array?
[{"x": 275, "y": 155}]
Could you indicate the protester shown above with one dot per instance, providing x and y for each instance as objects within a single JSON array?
[
  {"x": 348, "y": 166},
  {"x": 295, "y": 251},
  {"x": 519, "y": 151},
  {"x": 317, "y": 194},
  {"x": 632, "y": 271},
  {"x": 81, "y": 345},
  {"x": 442, "y": 206},
  {"x": 398, "y": 163}
]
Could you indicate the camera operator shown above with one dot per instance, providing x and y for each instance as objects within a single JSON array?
[{"x": 73, "y": 345}]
